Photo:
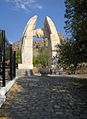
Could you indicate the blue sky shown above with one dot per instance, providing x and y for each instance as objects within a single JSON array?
[{"x": 14, "y": 15}]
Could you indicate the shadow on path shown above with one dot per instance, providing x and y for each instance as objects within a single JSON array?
[{"x": 52, "y": 97}]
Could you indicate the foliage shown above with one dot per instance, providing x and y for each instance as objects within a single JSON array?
[
  {"x": 18, "y": 56},
  {"x": 76, "y": 25},
  {"x": 35, "y": 60},
  {"x": 42, "y": 58},
  {"x": 67, "y": 54}
]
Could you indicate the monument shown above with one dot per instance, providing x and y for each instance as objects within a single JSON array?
[{"x": 49, "y": 31}]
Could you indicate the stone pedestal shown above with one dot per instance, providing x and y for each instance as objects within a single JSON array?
[
  {"x": 25, "y": 69},
  {"x": 24, "y": 72},
  {"x": 25, "y": 66}
]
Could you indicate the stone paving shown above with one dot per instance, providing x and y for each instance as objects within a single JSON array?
[{"x": 47, "y": 98}]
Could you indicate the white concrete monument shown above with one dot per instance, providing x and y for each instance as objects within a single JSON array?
[
  {"x": 27, "y": 46},
  {"x": 49, "y": 31}
]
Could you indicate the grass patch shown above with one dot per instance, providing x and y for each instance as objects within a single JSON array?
[
  {"x": 4, "y": 117},
  {"x": 12, "y": 92},
  {"x": 16, "y": 88}
]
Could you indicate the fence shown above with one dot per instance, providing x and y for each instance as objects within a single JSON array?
[{"x": 7, "y": 60}]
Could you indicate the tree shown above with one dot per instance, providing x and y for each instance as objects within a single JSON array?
[
  {"x": 66, "y": 55},
  {"x": 76, "y": 25},
  {"x": 42, "y": 58}
]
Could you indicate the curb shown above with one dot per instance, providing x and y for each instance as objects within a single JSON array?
[
  {"x": 84, "y": 76},
  {"x": 5, "y": 89},
  {"x": 2, "y": 100}
]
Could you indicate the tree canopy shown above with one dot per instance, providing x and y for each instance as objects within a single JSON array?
[
  {"x": 76, "y": 25},
  {"x": 73, "y": 51}
]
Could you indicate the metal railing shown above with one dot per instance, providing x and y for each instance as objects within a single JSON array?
[{"x": 7, "y": 60}]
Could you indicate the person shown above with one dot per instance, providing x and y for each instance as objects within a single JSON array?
[{"x": 50, "y": 71}]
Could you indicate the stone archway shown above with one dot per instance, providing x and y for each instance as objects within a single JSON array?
[{"x": 49, "y": 31}]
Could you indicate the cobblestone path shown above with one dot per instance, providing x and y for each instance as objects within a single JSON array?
[{"x": 47, "y": 98}]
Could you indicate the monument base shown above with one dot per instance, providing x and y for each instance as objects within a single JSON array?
[
  {"x": 24, "y": 70},
  {"x": 25, "y": 66}
]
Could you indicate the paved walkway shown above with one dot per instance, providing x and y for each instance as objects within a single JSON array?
[{"x": 47, "y": 98}]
